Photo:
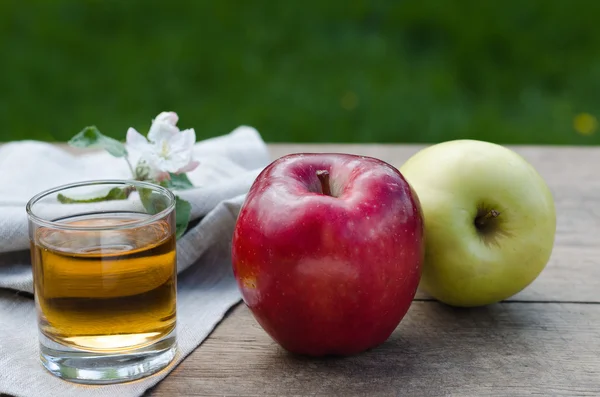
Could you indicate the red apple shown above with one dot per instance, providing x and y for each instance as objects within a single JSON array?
[{"x": 327, "y": 252}]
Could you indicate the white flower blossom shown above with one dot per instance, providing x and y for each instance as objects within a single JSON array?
[{"x": 167, "y": 149}]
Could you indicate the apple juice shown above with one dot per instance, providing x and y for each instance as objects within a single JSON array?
[{"x": 106, "y": 290}]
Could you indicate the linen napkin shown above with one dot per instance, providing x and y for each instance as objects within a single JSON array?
[{"x": 206, "y": 287}]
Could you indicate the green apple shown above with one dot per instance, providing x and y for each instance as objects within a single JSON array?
[{"x": 490, "y": 221}]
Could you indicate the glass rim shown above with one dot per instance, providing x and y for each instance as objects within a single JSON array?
[{"x": 65, "y": 226}]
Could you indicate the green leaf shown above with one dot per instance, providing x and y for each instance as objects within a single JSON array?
[
  {"x": 183, "y": 210},
  {"x": 152, "y": 201},
  {"x": 155, "y": 202},
  {"x": 90, "y": 137},
  {"x": 177, "y": 182},
  {"x": 116, "y": 193}
]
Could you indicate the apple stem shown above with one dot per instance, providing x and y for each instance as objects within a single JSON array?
[
  {"x": 323, "y": 176},
  {"x": 481, "y": 220}
]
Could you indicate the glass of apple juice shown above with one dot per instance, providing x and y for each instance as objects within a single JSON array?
[{"x": 104, "y": 274}]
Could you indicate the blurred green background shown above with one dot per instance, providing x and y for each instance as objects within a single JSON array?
[{"x": 312, "y": 70}]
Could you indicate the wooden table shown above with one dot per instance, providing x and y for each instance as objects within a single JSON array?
[{"x": 544, "y": 341}]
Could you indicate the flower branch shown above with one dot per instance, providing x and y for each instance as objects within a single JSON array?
[{"x": 166, "y": 156}]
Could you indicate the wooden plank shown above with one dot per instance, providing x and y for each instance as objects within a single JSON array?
[
  {"x": 573, "y": 273},
  {"x": 508, "y": 349}
]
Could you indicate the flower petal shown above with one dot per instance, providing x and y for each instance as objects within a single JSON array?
[
  {"x": 161, "y": 176},
  {"x": 137, "y": 141},
  {"x": 168, "y": 162},
  {"x": 183, "y": 141},
  {"x": 161, "y": 130},
  {"x": 177, "y": 160},
  {"x": 191, "y": 166},
  {"x": 167, "y": 117}
]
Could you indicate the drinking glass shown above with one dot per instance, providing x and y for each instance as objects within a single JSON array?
[{"x": 105, "y": 279}]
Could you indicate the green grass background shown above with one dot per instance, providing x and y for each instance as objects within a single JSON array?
[{"x": 509, "y": 71}]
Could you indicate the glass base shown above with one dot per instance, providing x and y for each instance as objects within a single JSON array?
[{"x": 98, "y": 368}]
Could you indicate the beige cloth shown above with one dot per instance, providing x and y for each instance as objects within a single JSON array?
[{"x": 206, "y": 287}]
